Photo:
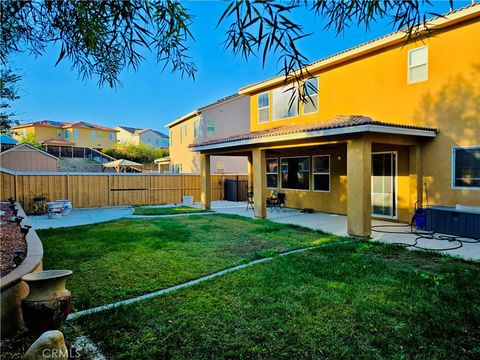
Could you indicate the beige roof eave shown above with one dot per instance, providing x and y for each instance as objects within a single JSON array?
[{"x": 182, "y": 118}]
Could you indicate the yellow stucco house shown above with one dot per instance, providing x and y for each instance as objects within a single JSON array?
[
  {"x": 390, "y": 124},
  {"x": 64, "y": 134}
]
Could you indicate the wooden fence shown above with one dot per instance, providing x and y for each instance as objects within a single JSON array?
[{"x": 107, "y": 189}]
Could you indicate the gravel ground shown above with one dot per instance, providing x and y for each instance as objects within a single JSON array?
[{"x": 11, "y": 239}]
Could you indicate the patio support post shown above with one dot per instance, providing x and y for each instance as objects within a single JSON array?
[
  {"x": 250, "y": 170},
  {"x": 259, "y": 190},
  {"x": 415, "y": 175},
  {"x": 205, "y": 187},
  {"x": 359, "y": 173}
]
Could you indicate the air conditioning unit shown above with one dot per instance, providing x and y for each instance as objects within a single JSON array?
[{"x": 458, "y": 221}]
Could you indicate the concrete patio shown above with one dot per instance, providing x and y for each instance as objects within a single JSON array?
[
  {"x": 83, "y": 216},
  {"x": 337, "y": 224}
]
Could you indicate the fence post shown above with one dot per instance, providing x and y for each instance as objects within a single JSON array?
[
  {"x": 109, "y": 189},
  {"x": 15, "y": 180}
]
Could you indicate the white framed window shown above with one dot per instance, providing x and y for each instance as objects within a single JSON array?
[
  {"x": 100, "y": 134},
  {"x": 295, "y": 172},
  {"x": 321, "y": 173},
  {"x": 94, "y": 134},
  {"x": 210, "y": 128},
  {"x": 181, "y": 135},
  {"x": 76, "y": 133},
  {"x": 418, "y": 64},
  {"x": 111, "y": 136},
  {"x": 67, "y": 134},
  {"x": 272, "y": 173},
  {"x": 263, "y": 107},
  {"x": 311, "y": 93},
  {"x": 283, "y": 106},
  {"x": 59, "y": 133},
  {"x": 466, "y": 167}
]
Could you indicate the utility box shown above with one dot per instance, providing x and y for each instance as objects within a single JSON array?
[{"x": 452, "y": 221}]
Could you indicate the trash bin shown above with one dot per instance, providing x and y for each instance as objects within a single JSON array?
[{"x": 188, "y": 200}]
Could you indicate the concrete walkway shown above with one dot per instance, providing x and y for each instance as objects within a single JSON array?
[{"x": 81, "y": 217}]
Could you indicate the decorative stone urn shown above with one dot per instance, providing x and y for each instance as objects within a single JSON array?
[{"x": 48, "y": 302}]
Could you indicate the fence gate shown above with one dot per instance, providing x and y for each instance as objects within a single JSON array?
[{"x": 235, "y": 189}]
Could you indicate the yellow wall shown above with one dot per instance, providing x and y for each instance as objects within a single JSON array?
[
  {"x": 43, "y": 133},
  {"x": 179, "y": 151},
  {"x": 376, "y": 85}
]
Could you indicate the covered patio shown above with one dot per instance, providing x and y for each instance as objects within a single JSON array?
[{"x": 352, "y": 166}]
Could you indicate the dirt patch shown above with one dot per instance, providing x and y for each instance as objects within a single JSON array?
[{"x": 14, "y": 246}]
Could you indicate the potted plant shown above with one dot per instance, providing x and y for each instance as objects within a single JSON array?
[{"x": 40, "y": 204}]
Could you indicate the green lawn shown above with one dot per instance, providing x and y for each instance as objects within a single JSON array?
[
  {"x": 342, "y": 301},
  {"x": 125, "y": 258},
  {"x": 144, "y": 210}
]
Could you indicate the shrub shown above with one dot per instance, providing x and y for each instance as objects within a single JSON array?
[{"x": 143, "y": 153}]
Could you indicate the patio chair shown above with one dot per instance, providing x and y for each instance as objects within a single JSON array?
[
  {"x": 278, "y": 202},
  {"x": 250, "y": 203}
]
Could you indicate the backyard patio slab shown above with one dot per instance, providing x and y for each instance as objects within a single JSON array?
[
  {"x": 81, "y": 217},
  {"x": 337, "y": 225}
]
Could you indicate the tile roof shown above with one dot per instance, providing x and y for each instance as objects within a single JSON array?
[
  {"x": 340, "y": 121},
  {"x": 82, "y": 124},
  {"x": 137, "y": 131}
]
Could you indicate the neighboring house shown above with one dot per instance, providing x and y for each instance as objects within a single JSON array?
[
  {"x": 408, "y": 129},
  {"x": 63, "y": 134},
  {"x": 25, "y": 157},
  {"x": 226, "y": 117},
  {"x": 7, "y": 142},
  {"x": 137, "y": 136}
]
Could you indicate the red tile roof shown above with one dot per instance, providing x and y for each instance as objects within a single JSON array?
[{"x": 340, "y": 121}]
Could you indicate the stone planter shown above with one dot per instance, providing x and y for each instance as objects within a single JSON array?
[
  {"x": 48, "y": 302},
  {"x": 40, "y": 207}
]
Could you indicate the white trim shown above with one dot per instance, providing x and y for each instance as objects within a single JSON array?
[
  {"x": 320, "y": 133},
  {"x": 31, "y": 147},
  {"x": 409, "y": 81},
  {"x": 395, "y": 185},
  {"x": 452, "y": 172},
  {"x": 329, "y": 173},
  {"x": 309, "y": 171}
]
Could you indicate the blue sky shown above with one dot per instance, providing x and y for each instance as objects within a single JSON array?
[{"x": 150, "y": 98}]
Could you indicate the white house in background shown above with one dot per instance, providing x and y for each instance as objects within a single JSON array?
[{"x": 137, "y": 136}]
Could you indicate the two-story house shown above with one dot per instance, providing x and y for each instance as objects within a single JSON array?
[
  {"x": 226, "y": 117},
  {"x": 131, "y": 135},
  {"x": 389, "y": 123},
  {"x": 78, "y": 134}
]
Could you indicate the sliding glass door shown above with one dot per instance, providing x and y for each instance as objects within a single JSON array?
[{"x": 384, "y": 184}]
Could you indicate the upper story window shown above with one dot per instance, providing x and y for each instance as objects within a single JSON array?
[
  {"x": 23, "y": 132},
  {"x": 111, "y": 136},
  {"x": 59, "y": 133},
  {"x": 210, "y": 128},
  {"x": 285, "y": 103},
  {"x": 67, "y": 134},
  {"x": 466, "y": 167},
  {"x": 263, "y": 107},
  {"x": 311, "y": 93},
  {"x": 418, "y": 65},
  {"x": 181, "y": 134},
  {"x": 94, "y": 134},
  {"x": 100, "y": 134},
  {"x": 76, "y": 133},
  {"x": 196, "y": 129}
]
